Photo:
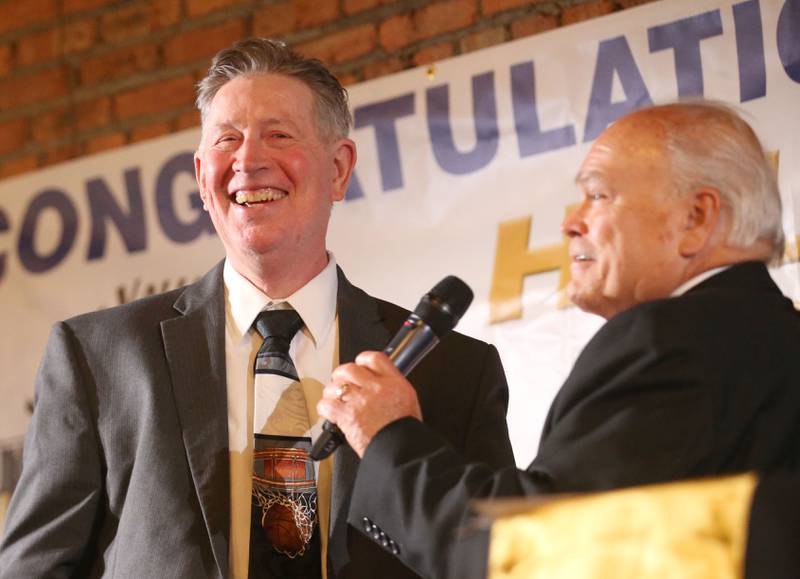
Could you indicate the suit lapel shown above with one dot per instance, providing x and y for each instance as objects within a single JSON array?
[
  {"x": 194, "y": 345},
  {"x": 361, "y": 327}
]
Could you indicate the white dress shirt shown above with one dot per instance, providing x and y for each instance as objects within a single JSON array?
[
  {"x": 697, "y": 280},
  {"x": 315, "y": 353}
]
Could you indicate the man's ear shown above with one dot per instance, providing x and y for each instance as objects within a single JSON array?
[
  {"x": 199, "y": 177},
  {"x": 703, "y": 214},
  {"x": 344, "y": 159}
]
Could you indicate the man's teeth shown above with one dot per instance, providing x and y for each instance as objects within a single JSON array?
[
  {"x": 247, "y": 197},
  {"x": 582, "y": 257}
]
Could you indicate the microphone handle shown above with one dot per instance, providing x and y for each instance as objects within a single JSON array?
[{"x": 409, "y": 346}]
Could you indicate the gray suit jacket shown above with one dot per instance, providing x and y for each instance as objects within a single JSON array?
[{"x": 126, "y": 459}]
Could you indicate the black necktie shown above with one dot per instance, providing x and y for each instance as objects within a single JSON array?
[{"x": 277, "y": 327}]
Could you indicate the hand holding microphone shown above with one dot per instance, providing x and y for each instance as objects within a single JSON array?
[{"x": 365, "y": 396}]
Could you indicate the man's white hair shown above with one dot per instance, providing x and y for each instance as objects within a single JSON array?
[{"x": 710, "y": 145}]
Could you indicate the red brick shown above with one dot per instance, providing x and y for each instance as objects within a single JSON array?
[
  {"x": 13, "y": 134},
  {"x": 483, "y": 39},
  {"x": 53, "y": 125},
  {"x": 383, "y": 67},
  {"x": 396, "y": 32},
  {"x": 31, "y": 88},
  {"x": 202, "y": 43},
  {"x": 354, "y": 6},
  {"x": 18, "y": 166},
  {"x": 348, "y": 79},
  {"x": 92, "y": 114},
  {"x": 63, "y": 153},
  {"x": 17, "y": 14},
  {"x": 5, "y": 59},
  {"x": 432, "y": 20},
  {"x": 433, "y": 53},
  {"x": 309, "y": 13},
  {"x": 136, "y": 19},
  {"x": 533, "y": 25},
  {"x": 105, "y": 142},
  {"x": 444, "y": 17},
  {"x": 581, "y": 12},
  {"x": 119, "y": 63},
  {"x": 187, "y": 120},
  {"x": 632, "y": 3},
  {"x": 197, "y": 8},
  {"x": 73, "y": 6},
  {"x": 341, "y": 46},
  {"x": 79, "y": 35},
  {"x": 166, "y": 12},
  {"x": 489, "y": 7},
  {"x": 38, "y": 47},
  {"x": 150, "y": 131},
  {"x": 155, "y": 98},
  {"x": 275, "y": 20}
]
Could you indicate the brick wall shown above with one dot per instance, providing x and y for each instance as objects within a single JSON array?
[{"x": 82, "y": 76}]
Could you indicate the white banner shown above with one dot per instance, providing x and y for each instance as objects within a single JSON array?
[{"x": 465, "y": 168}]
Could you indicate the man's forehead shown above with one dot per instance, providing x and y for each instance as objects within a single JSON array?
[{"x": 633, "y": 140}]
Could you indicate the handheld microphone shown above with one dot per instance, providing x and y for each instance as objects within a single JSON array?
[{"x": 436, "y": 314}]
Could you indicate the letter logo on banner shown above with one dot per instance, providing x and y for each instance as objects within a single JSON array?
[
  {"x": 484, "y": 111},
  {"x": 32, "y": 259},
  {"x": 614, "y": 56},
  {"x": 383, "y": 115},
  {"x": 683, "y": 37},
  {"x": 750, "y": 51},
  {"x": 513, "y": 261},
  {"x": 4, "y": 226},
  {"x": 175, "y": 229},
  {"x": 103, "y": 207},
  {"x": 532, "y": 140},
  {"x": 787, "y": 35}
]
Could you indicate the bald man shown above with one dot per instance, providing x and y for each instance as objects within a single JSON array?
[{"x": 695, "y": 372}]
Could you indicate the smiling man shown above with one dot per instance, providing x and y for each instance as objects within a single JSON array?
[
  {"x": 695, "y": 372},
  {"x": 170, "y": 436}
]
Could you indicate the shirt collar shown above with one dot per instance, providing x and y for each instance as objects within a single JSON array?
[
  {"x": 315, "y": 301},
  {"x": 697, "y": 280}
]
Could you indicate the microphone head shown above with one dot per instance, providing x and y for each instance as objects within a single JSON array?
[{"x": 443, "y": 306}]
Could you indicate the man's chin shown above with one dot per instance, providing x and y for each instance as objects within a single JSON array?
[{"x": 586, "y": 301}]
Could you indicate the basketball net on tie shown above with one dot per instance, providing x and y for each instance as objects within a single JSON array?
[{"x": 284, "y": 482}]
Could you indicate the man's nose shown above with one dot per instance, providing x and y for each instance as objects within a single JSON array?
[
  {"x": 252, "y": 156},
  {"x": 574, "y": 223}
]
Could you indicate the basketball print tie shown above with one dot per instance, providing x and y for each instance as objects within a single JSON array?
[{"x": 284, "y": 534}]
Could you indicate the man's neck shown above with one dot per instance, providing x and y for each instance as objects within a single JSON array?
[
  {"x": 280, "y": 278},
  {"x": 726, "y": 256}
]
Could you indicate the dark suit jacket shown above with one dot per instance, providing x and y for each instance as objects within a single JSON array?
[
  {"x": 706, "y": 383},
  {"x": 773, "y": 538},
  {"x": 126, "y": 459}
]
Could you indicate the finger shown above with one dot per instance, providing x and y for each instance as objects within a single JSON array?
[
  {"x": 378, "y": 362},
  {"x": 330, "y": 409},
  {"x": 355, "y": 375},
  {"x": 336, "y": 389}
]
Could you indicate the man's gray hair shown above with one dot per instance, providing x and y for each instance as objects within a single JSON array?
[
  {"x": 711, "y": 145},
  {"x": 261, "y": 55}
]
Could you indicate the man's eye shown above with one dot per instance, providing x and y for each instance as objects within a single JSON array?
[
  {"x": 595, "y": 196},
  {"x": 226, "y": 142}
]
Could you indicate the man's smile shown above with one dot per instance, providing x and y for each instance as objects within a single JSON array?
[{"x": 252, "y": 196}]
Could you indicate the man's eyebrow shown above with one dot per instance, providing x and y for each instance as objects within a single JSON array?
[
  {"x": 583, "y": 176},
  {"x": 278, "y": 122},
  {"x": 268, "y": 122}
]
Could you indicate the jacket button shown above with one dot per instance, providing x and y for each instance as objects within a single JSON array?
[{"x": 367, "y": 524}]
